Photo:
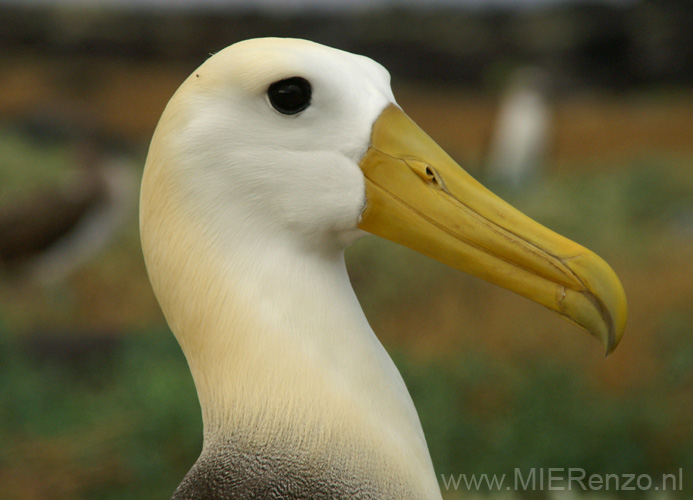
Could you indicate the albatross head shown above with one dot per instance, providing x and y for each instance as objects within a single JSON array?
[
  {"x": 305, "y": 144},
  {"x": 271, "y": 131},
  {"x": 268, "y": 161}
]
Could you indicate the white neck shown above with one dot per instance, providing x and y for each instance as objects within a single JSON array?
[{"x": 279, "y": 347}]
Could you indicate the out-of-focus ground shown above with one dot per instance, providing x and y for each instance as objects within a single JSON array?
[{"x": 95, "y": 397}]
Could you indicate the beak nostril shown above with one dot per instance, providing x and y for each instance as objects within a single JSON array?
[
  {"x": 434, "y": 177},
  {"x": 425, "y": 172}
]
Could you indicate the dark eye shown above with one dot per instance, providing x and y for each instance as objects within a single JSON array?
[{"x": 290, "y": 96}]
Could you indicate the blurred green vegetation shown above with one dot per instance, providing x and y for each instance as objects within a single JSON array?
[
  {"x": 27, "y": 168},
  {"x": 485, "y": 416},
  {"x": 123, "y": 425}
]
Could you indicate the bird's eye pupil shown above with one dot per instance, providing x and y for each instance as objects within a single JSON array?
[{"x": 290, "y": 96}]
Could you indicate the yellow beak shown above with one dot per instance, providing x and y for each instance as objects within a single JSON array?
[{"x": 419, "y": 197}]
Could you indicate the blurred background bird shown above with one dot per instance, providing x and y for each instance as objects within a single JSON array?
[
  {"x": 521, "y": 135},
  {"x": 48, "y": 227}
]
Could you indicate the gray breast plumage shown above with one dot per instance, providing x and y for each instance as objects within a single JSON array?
[{"x": 255, "y": 472}]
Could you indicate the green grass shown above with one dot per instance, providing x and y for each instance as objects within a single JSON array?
[
  {"x": 129, "y": 418},
  {"x": 482, "y": 416}
]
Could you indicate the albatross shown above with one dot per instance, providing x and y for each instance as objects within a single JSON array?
[{"x": 270, "y": 159}]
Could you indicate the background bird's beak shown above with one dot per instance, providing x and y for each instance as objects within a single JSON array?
[{"x": 419, "y": 197}]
